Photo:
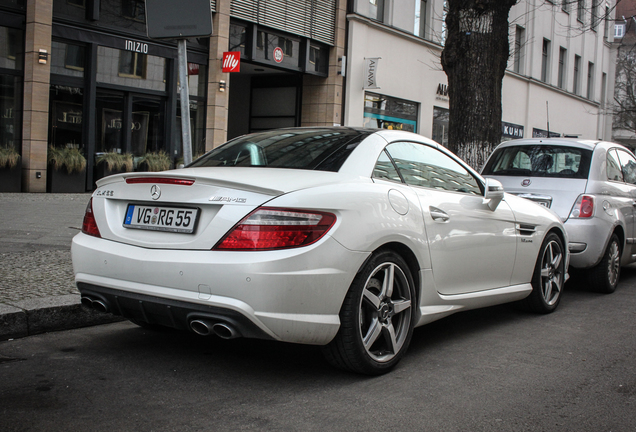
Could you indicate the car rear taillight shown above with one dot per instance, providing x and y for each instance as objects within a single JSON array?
[
  {"x": 89, "y": 226},
  {"x": 160, "y": 180},
  {"x": 583, "y": 208},
  {"x": 275, "y": 228}
]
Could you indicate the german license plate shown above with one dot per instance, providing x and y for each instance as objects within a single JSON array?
[{"x": 161, "y": 218}]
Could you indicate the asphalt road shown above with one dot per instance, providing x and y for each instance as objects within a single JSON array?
[{"x": 495, "y": 369}]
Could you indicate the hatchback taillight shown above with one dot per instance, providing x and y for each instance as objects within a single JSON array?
[
  {"x": 275, "y": 228},
  {"x": 583, "y": 208},
  {"x": 89, "y": 226}
]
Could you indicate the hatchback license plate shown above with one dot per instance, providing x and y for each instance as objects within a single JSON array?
[{"x": 172, "y": 219}]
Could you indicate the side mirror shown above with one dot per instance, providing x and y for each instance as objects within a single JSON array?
[{"x": 494, "y": 193}]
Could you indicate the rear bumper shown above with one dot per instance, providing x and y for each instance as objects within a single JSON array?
[
  {"x": 290, "y": 295},
  {"x": 587, "y": 240}
]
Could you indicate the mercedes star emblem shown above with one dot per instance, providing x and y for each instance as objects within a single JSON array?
[{"x": 155, "y": 192}]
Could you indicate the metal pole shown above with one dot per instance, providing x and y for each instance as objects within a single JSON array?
[{"x": 185, "y": 102}]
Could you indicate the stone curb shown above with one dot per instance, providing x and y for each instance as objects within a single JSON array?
[{"x": 47, "y": 314}]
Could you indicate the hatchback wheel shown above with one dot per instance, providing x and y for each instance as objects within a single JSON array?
[
  {"x": 604, "y": 277},
  {"x": 376, "y": 318},
  {"x": 548, "y": 278}
]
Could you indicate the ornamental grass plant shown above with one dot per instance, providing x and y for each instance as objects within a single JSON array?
[
  {"x": 114, "y": 161},
  {"x": 159, "y": 161},
  {"x": 9, "y": 157},
  {"x": 69, "y": 158}
]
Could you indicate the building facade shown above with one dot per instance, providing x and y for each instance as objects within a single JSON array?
[
  {"x": 83, "y": 75},
  {"x": 559, "y": 76}
]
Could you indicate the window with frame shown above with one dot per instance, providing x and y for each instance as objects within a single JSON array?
[
  {"x": 132, "y": 64},
  {"x": 619, "y": 31},
  {"x": 520, "y": 36},
  {"x": 577, "y": 74},
  {"x": 628, "y": 166},
  {"x": 420, "y": 18},
  {"x": 286, "y": 45},
  {"x": 424, "y": 166},
  {"x": 562, "y": 58},
  {"x": 134, "y": 9},
  {"x": 607, "y": 22},
  {"x": 590, "y": 80},
  {"x": 594, "y": 15},
  {"x": 614, "y": 172},
  {"x": 545, "y": 61},
  {"x": 580, "y": 10}
]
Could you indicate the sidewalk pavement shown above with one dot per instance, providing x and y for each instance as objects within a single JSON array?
[{"x": 37, "y": 290}]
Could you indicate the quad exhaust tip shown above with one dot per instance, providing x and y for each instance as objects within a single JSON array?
[
  {"x": 206, "y": 328},
  {"x": 94, "y": 303}
]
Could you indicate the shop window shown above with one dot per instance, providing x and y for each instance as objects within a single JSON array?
[
  {"x": 385, "y": 112},
  {"x": 260, "y": 40},
  {"x": 132, "y": 65},
  {"x": 65, "y": 117},
  {"x": 134, "y": 9},
  {"x": 10, "y": 110},
  {"x": 11, "y": 54}
]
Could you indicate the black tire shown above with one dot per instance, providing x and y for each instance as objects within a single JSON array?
[
  {"x": 376, "y": 317},
  {"x": 548, "y": 277},
  {"x": 605, "y": 275}
]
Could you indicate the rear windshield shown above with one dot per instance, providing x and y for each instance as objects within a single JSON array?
[
  {"x": 310, "y": 149},
  {"x": 540, "y": 161}
]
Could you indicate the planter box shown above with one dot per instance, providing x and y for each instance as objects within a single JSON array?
[
  {"x": 63, "y": 182},
  {"x": 11, "y": 178}
]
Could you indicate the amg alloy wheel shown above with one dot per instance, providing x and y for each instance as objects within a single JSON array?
[
  {"x": 548, "y": 278},
  {"x": 376, "y": 317}
]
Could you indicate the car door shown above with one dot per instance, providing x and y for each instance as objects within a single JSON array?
[
  {"x": 472, "y": 247},
  {"x": 628, "y": 168}
]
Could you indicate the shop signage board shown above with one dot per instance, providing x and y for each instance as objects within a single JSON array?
[
  {"x": 370, "y": 80},
  {"x": 231, "y": 61},
  {"x": 178, "y": 19},
  {"x": 511, "y": 130}
]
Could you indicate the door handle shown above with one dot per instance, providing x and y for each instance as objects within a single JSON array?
[{"x": 438, "y": 215}]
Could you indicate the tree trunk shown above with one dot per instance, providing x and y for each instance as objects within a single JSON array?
[{"x": 474, "y": 58}]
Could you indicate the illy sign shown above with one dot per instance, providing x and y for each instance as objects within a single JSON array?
[{"x": 231, "y": 61}]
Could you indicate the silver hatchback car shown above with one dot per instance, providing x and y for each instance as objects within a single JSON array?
[{"x": 591, "y": 185}]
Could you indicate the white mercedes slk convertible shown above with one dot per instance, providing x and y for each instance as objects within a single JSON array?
[{"x": 346, "y": 238}]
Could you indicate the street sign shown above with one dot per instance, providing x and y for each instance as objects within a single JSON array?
[
  {"x": 178, "y": 19},
  {"x": 278, "y": 54}
]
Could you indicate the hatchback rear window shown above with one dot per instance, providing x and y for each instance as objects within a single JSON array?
[
  {"x": 310, "y": 149},
  {"x": 540, "y": 161}
]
